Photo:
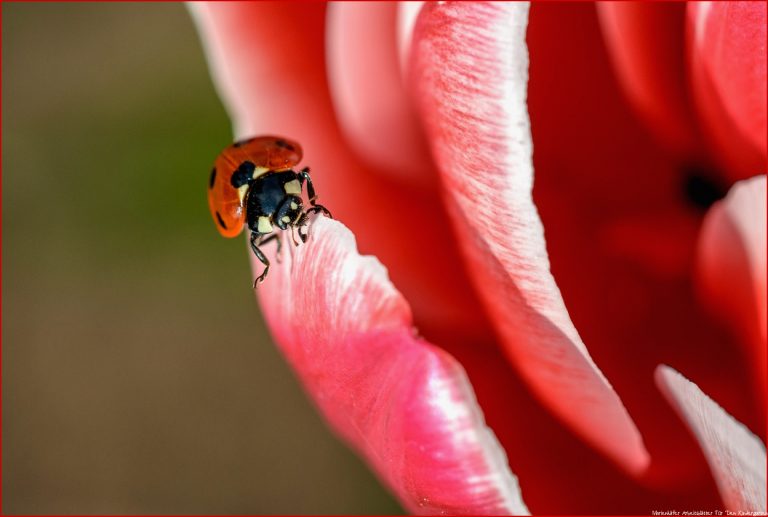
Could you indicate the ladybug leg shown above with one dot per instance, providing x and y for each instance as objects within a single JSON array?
[
  {"x": 302, "y": 223},
  {"x": 319, "y": 208},
  {"x": 304, "y": 176},
  {"x": 274, "y": 237},
  {"x": 255, "y": 241}
]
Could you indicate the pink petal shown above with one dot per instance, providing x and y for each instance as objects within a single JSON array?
[
  {"x": 728, "y": 66},
  {"x": 732, "y": 267},
  {"x": 403, "y": 403},
  {"x": 469, "y": 66},
  {"x": 735, "y": 455},
  {"x": 646, "y": 44},
  {"x": 368, "y": 93}
]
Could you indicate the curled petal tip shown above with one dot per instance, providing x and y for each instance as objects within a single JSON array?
[{"x": 404, "y": 404}]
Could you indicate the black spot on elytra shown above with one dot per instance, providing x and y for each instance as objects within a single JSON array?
[
  {"x": 701, "y": 188},
  {"x": 221, "y": 221},
  {"x": 243, "y": 174},
  {"x": 284, "y": 145},
  {"x": 213, "y": 178}
]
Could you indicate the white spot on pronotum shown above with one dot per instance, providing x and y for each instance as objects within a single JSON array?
[
  {"x": 294, "y": 206},
  {"x": 241, "y": 192},
  {"x": 286, "y": 219},
  {"x": 264, "y": 226},
  {"x": 258, "y": 171},
  {"x": 293, "y": 187}
]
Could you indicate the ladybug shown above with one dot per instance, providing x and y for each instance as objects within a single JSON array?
[{"x": 253, "y": 182}]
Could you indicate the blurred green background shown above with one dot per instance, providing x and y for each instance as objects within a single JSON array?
[{"x": 138, "y": 376}]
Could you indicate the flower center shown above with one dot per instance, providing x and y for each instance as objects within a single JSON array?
[{"x": 701, "y": 187}]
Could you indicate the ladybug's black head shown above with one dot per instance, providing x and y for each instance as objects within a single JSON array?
[{"x": 290, "y": 212}]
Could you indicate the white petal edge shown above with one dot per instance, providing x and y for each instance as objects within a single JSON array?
[
  {"x": 735, "y": 455},
  {"x": 477, "y": 87}
]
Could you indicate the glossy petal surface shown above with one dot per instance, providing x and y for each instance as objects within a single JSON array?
[
  {"x": 736, "y": 456},
  {"x": 470, "y": 72},
  {"x": 727, "y": 45},
  {"x": 404, "y": 404},
  {"x": 646, "y": 44},
  {"x": 368, "y": 92}
]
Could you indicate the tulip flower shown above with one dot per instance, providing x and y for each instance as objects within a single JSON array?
[{"x": 547, "y": 219}]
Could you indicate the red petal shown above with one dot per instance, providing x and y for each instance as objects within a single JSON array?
[
  {"x": 735, "y": 455},
  {"x": 469, "y": 65},
  {"x": 646, "y": 44},
  {"x": 732, "y": 267},
  {"x": 404, "y": 404},
  {"x": 728, "y": 65},
  {"x": 621, "y": 238},
  {"x": 368, "y": 92}
]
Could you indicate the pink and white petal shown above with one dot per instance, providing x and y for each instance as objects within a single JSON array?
[
  {"x": 368, "y": 93},
  {"x": 404, "y": 404},
  {"x": 469, "y": 78},
  {"x": 735, "y": 455},
  {"x": 731, "y": 267},
  {"x": 727, "y": 56},
  {"x": 647, "y": 45}
]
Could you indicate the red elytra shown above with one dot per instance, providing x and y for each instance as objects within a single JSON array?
[{"x": 267, "y": 153}]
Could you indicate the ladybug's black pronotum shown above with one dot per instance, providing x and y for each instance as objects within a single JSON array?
[{"x": 253, "y": 182}]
